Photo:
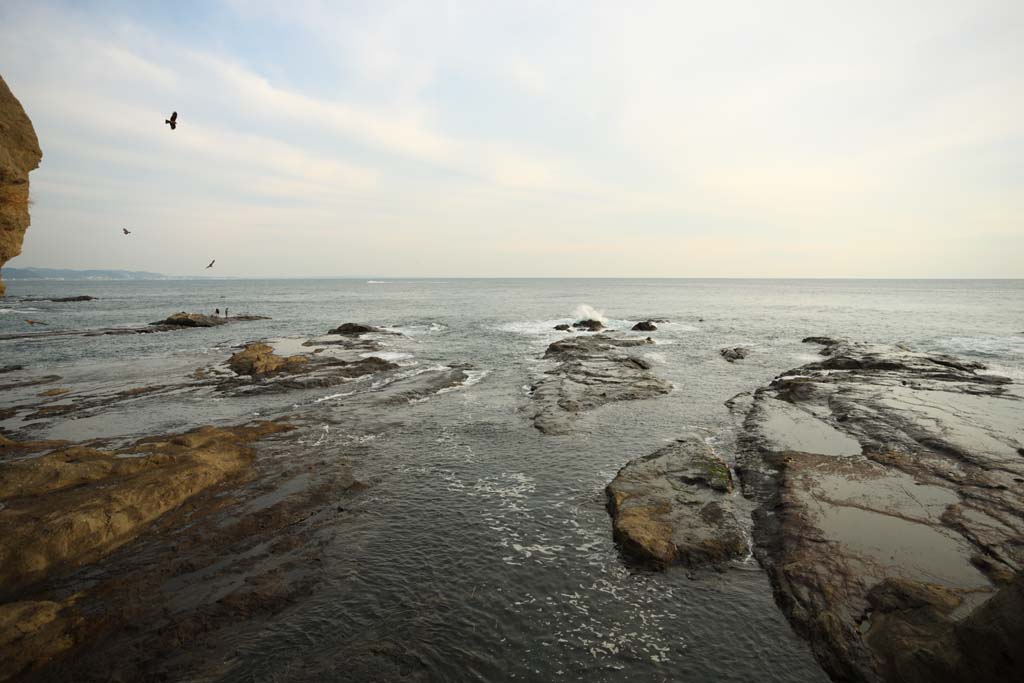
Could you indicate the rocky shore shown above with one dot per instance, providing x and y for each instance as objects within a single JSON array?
[
  {"x": 589, "y": 372},
  {"x": 113, "y": 555},
  {"x": 890, "y": 491}
]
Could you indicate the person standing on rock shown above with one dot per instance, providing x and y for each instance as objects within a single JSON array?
[
  {"x": 216, "y": 312},
  {"x": 226, "y": 312}
]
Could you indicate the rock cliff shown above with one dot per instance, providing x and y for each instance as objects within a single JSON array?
[{"x": 19, "y": 154}]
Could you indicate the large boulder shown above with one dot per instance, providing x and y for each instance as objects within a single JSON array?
[
  {"x": 259, "y": 360},
  {"x": 19, "y": 155},
  {"x": 675, "y": 506}
]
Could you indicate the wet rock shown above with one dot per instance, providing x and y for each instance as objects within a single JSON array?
[
  {"x": 32, "y": 633},
  {"x": 563, "y": 327},
  {"x": 589, "y": 325},
  {"x": 888, "y": 491},
  {"x": 258, "y": 368},
  {"x": 19, "y": 156},
  {"x": 10, "y": 368},
  {"x": 644, "y": 326},
  {"x": 259, "y": 360},
  {"x": 591, "y": 371},
  {"x": 826, "y": 341},
  {"x": 70, "y": 507},
  {"x": 65, "y": 299},
  {"x": 184, "y": 319},
  {"x": 674, "y": 506},
  {"x": 355, "y": 329},
  {"x": 735, "y": 353}
]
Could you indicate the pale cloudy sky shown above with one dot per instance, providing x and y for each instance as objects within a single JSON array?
[{"x": 525, "y": 138}]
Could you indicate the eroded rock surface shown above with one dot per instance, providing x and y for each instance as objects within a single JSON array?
[
  {"x": 257, "y": 366},
  {"x": 591, "y": 371},
  {"x": 676, "y": 506},
  {"x": 71, "y": 506},
  {"x": 33, "y": 632},
  {"x": 891, "y": 497},
  {"x": 19, "y": 155}
]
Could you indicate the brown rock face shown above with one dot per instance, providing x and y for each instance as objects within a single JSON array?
[
  {"x": 891, "y": 512},
  {"x": 259, "y": 359},
  {"x": 19, "y": 154},
  {"x": 674, "y": 506},
  {"x": 74, "y": 505}
]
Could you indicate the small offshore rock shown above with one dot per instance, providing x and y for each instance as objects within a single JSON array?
[
  {"x": 644, "y": 326},
  {"x": 734, "y": 354},
  {"x": 563, "y": 327},
  {"x": 184, "y": 319},
  {"x": 589, "y": 325},
  {"x": 824, "y": 341},
  {"x": 355, "y": 329}
]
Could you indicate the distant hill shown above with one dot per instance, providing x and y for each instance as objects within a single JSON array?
[{"x": 70, "y": 274}]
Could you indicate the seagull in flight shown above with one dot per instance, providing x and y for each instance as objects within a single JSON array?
[
  {"x": 173, "y": 121},
  {"x": 211, "y": 263},
  {"x": 126, "y": 231}
]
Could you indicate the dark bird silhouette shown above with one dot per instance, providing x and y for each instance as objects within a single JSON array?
[
  {"x": 173, "y": 121},
  {"x": 211, "y": 263},
  {"x": 126, "y": 231}
]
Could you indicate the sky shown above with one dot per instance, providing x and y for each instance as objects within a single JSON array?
[{"x": 522, "y": 139}]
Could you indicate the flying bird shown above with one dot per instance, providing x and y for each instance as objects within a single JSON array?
[
  {"x": 173, "y": 121},
  {"x": 211, "y": 263},
  {"x": 126, "y": 231}
]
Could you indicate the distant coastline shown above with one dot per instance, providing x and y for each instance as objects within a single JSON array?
[{"x": 14, "y": 274}]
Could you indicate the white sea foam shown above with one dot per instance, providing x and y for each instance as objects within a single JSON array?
[
  {"x": 587, "y": 312},
  {"x": 386, "y": 355}
]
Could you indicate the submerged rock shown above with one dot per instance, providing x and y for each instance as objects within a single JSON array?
[
  {"x": 63, "y": 299},
  {"x": 644, "y": 326},
  {"x": 890, "y": 506},
  {"x": 591, "y": 371},
  {"x": 674, "y": 506},
  {"x": 735, "y": 353},
  {"x": 589, "y": 325},
  {"x": 819, "y": 340}
]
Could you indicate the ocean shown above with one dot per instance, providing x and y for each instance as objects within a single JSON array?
[{"x": 481, "y": 549}]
